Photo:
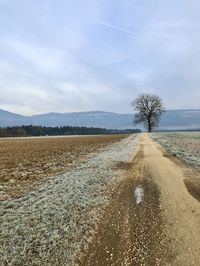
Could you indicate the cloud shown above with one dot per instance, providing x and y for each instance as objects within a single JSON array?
[
  {"x": 41, "y": 58},
  {"x": 89, "y": 55}
]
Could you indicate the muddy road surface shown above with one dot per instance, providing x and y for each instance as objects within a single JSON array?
[{"x": 154, "y": 216}]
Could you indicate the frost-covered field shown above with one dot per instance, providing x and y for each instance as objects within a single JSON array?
[
  {"x": 51, "y": 225},
  {"x": 185, "y": 145}
]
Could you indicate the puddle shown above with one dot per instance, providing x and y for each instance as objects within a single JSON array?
[{"x": 139, "y": 194}]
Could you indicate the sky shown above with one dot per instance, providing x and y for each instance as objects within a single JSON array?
[{"x": 68, "y": 56}]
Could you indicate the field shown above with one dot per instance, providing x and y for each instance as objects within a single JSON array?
[
  {"x": 101, "y": 200},
  {"x": 27, "y": 161},
  {"x": 185, "y": 145},
  {"x": 51, "y": 223}
]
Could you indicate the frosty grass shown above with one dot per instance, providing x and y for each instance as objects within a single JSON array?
[{"x": 185, "y": 145}]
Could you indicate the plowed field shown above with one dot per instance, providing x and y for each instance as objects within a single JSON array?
[{"x": 27, "y": 161}]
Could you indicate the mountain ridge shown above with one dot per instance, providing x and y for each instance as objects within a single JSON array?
[{"x": 172, "y": 119}]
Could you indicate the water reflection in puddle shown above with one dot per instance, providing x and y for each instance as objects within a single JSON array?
[{"x": 139, "y": 194}]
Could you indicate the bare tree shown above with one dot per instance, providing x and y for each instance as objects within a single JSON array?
[{"x": 149, "y": 109}]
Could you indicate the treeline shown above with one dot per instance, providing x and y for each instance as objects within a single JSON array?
[{"x": 27, "y": 131}]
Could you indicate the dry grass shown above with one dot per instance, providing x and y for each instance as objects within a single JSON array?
[{"x": 27, "y": 161}]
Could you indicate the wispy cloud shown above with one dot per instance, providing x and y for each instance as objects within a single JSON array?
[{"x": 42, "y": 58}]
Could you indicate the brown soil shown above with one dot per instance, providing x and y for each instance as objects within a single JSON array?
[
  {"x": 164, "y": 228},
  {"x": 27, "y": 161}
]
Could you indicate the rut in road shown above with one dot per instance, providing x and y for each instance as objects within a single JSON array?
[{"x": 152, "y": 219}]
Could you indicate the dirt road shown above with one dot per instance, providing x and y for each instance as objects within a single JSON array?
[{"x": 152, "y": 219}]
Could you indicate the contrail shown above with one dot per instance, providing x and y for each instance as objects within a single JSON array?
[{"x": 111, "y": 26}]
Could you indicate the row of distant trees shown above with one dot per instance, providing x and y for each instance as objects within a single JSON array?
[{"x": 25, "y": 131}]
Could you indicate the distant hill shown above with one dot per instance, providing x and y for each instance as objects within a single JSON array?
[
  {"x": 172, "y": 119},
  {"x": 89, "y": 119},
  {"x": 9, "y": 119},
  {"x": 180, "y": 119}
]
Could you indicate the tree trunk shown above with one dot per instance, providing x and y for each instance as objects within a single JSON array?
[{"x": 149, "y": 125}]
